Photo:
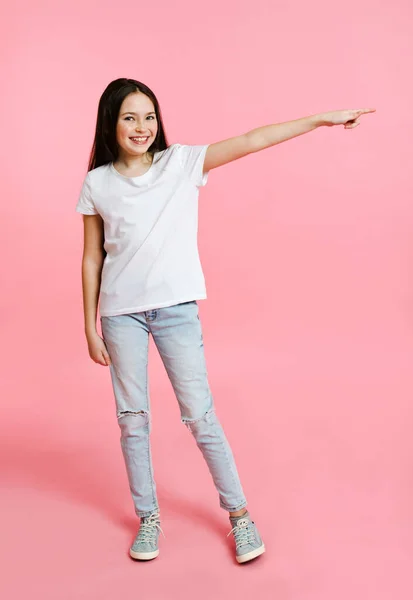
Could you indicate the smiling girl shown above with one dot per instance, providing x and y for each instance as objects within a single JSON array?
[{"x": 141, "y": 265}]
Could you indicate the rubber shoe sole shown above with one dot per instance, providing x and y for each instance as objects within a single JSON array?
[
  {"x": 250, "y": 555},
  {"x": 144, "y": 555}
]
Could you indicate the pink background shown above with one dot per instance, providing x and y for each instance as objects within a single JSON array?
[{"x": 308, "y": 327}]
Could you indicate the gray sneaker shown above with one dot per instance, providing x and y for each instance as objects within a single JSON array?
[
  {"x": 248, "y": 541},
  {"x": 145, "y": 546}
]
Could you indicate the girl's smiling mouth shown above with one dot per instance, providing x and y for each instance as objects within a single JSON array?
[{"x": 140, "y": 140}]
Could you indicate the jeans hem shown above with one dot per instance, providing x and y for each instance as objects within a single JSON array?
[
  {"x": 239, "y": 507},
  {"x": 146, "y": 513}
]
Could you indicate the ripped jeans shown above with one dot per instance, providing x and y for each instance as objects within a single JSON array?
[{"x": 177, "y": 333}]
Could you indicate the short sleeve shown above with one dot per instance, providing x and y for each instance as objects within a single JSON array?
[
  {"x": 192, "y": 161},
  {"x": 85, "y": 204}
]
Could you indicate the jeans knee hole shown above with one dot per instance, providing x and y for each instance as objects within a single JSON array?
[
  {"x": 132, "y": 413},
  {"x": 207, "y": 417}
]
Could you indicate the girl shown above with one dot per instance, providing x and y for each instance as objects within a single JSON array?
[{"x": 140, "y": 260}]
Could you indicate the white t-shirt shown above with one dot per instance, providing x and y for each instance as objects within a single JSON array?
[{"x": 151, "y": 228}]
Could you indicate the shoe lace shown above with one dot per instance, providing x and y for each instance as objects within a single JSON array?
[
  {"x": 148, "y": 527},
  {"x": 244, "y": 534}
]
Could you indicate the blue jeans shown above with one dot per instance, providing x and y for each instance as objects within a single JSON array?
[{"x": 177, "y": 333}]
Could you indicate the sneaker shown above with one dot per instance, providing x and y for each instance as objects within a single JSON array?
[
  {"x": 145, "y": 546},
  {"x": 248, "y": 541}
]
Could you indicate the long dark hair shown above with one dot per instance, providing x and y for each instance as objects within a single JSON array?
[{"x": 105, "y": 148}]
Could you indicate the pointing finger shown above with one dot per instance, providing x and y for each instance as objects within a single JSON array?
[{"x": 364, "y": 111}]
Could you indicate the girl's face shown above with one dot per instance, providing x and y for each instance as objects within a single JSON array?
[{"x": 137, "y": 119}]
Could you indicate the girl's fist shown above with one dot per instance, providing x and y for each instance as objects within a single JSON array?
[{"x": 97, "y": 350}]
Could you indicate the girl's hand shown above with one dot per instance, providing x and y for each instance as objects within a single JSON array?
[
  {"x": 97, "y": 350},
  {"x": 348, "y": 118}
]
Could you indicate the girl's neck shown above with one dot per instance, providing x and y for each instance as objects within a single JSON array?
[{"x": 133, "y": 166}]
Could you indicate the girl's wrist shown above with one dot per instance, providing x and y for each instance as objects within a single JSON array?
[
  {"x": 319, "y": 120},
  {"x": 91, "y": 332}
]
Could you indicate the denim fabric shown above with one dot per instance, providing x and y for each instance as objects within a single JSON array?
[{"x": 177, "y": 333}]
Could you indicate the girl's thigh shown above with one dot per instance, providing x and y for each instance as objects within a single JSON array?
[
  {"x": 177, "y": 332},
  {"x": 127, "y": 340}
]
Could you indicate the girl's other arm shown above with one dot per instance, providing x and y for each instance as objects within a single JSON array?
[
  {"x": 92, "y": 263},
  {"x": 231, "y": 149}
]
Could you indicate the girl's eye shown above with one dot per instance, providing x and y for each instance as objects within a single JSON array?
[{"x": 149, "y": 117}]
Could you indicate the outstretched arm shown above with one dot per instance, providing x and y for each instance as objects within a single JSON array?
[{"x": 231, "y": 149}]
